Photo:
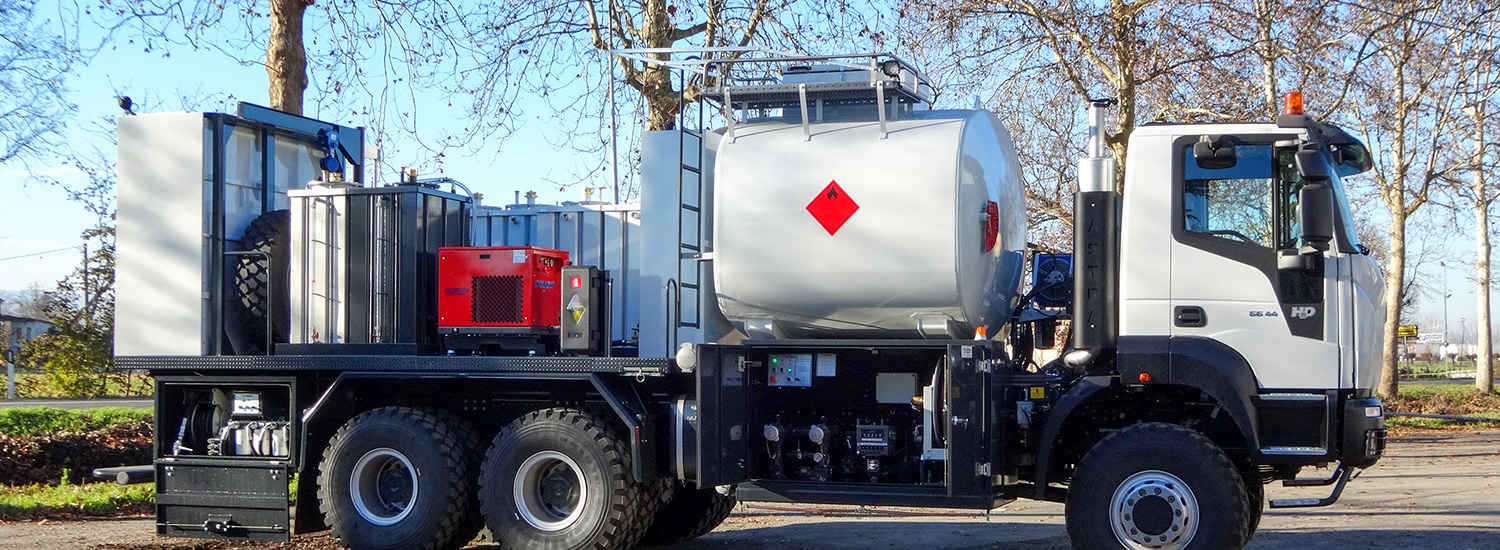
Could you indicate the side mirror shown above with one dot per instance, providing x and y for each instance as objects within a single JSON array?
[{"x": 1315, "y": 211}]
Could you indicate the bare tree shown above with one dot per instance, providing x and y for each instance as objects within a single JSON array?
[
  {"x": 34, "y": 64},
  {"x": 1480, "y": 58},
  {"x": 1404, "y": 98},
  {"x": 1034, "y": 62},
  {"x": 377, "y": 60}
]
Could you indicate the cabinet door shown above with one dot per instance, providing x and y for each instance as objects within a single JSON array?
[
  {"x": 965, "y": 399},
  {"x": 723, "y": 432}
]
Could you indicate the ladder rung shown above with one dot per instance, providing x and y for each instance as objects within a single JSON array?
[
  {"x": 686, "y": 246},
  {"x": 693, "y": 133},
  {"x": 692, "y": 169},
  {"x": 689, "y": 286},
  {"x": 693, "y": 324},
  {"x": 689, "y": 207}
]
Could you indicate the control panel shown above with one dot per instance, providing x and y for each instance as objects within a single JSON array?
[{"x": 795, "y": 371}]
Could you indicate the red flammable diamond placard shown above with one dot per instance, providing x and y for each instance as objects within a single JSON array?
[{"x": 832, "y": 207}]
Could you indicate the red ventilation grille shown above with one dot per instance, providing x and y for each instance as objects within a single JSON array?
[{"x": 499, "y": 299}]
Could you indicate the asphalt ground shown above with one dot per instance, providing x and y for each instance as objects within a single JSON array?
[{"x": 1432, "y": 490}]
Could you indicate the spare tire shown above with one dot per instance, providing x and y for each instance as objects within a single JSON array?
[{"x": 261, "y": 283}]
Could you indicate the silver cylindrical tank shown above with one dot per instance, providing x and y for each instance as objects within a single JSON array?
[{"x": 848, "y": 235}]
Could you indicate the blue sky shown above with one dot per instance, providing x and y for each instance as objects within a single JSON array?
[{"x": 37, "y": 217}]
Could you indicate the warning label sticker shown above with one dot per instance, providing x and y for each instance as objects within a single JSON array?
[{"x": 832, "y": 208}]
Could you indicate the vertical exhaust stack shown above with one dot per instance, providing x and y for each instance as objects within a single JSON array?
[{"x": 1096, "y": 250}]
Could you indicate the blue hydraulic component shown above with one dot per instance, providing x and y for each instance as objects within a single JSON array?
[
  {"x": 341, "y": 145},
  {"x": 328, "y": 141}
]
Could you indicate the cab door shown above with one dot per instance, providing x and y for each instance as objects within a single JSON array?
[{"x": 1231, "y": 219}]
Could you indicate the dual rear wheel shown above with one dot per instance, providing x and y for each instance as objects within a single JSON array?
[{"x": 401, "y": 477}]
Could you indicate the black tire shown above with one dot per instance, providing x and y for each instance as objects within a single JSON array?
[
  {"x": 1255, "y": 501},
  {"x": 394, "y": 478},
  {"x": 688, "y": 514},
  {"x": 472, "y": 443},
  {"x": 590, "y": 502},
  {"x": 1160, "y": 481},
  {"x": 261, "y": 288}
]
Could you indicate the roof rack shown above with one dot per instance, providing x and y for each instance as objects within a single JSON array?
[
  {"x": 886, "y": 73},
  {"x": 755, "y": 78}
]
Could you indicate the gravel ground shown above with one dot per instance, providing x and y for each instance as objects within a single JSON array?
[{"x": 1431, "y": 489}]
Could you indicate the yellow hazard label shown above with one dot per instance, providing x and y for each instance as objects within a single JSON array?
[
  {"x": 1038, "y": 392},
  {"x": 575, "y": 306}
]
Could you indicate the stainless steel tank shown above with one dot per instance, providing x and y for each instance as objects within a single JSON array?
[{"x": 843, "y": 234}]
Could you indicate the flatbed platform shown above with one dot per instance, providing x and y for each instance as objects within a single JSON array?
[{"x": 415, "y": 363}]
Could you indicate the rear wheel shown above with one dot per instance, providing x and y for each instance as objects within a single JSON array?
[
  {"x": 688, "y": 514},
  {"x": 393, "y": 478},
  {"x": 1157, "y": 486},
  {"x": 560, "y": 479}
]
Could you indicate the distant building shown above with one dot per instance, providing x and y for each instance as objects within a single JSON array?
[{"x": 18, "y": 330}]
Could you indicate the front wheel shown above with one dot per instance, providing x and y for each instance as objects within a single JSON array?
[{"x": 1157, "y": 486}]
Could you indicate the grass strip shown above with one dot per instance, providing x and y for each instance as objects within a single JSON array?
[
  {"x": 29, "y": 421},
  {"x": 59, "y": 501}
]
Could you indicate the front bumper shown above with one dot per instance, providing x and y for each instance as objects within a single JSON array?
[{"x": 1363, "y": 437}]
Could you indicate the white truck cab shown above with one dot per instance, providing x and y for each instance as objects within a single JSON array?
[{"x": 1201, "y": 240}]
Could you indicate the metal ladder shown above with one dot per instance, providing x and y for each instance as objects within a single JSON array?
[{"x": 691, "y": 252}]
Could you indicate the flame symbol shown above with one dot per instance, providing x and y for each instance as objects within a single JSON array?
[{"x": 833, "y": 193}]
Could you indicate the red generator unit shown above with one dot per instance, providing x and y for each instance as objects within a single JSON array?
[{"x": 506, "y": 291}]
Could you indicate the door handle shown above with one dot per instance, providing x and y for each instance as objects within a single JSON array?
[{"x": 1189, "y": 316}]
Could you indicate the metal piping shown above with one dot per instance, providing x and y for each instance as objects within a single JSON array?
[{"x": 1098, "y": 170}]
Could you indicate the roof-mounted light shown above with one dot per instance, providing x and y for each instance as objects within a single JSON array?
[{"x": 1293, "y": 104}]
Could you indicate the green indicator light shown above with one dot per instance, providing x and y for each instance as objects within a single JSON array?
[{"x": 775, "y": 360}]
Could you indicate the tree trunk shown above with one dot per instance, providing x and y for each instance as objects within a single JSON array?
[
  {"x": 1264, "y": 19},
  {"x": 656, "y": 81},
  {"x": 1485, "y": 363},
  {"x": 286, "y": 59},
  {"x": 1394, "y": 275}
]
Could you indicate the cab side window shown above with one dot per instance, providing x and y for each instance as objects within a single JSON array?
[{"x": 1234, "y": 203}]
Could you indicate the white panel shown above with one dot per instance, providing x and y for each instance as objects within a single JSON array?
[
  {"x": 1145, "y": 239},
  {"x": 159, "y": 243},
  {"x": 659, "y": 205},
  {"x": 1368, "y": 297}
]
